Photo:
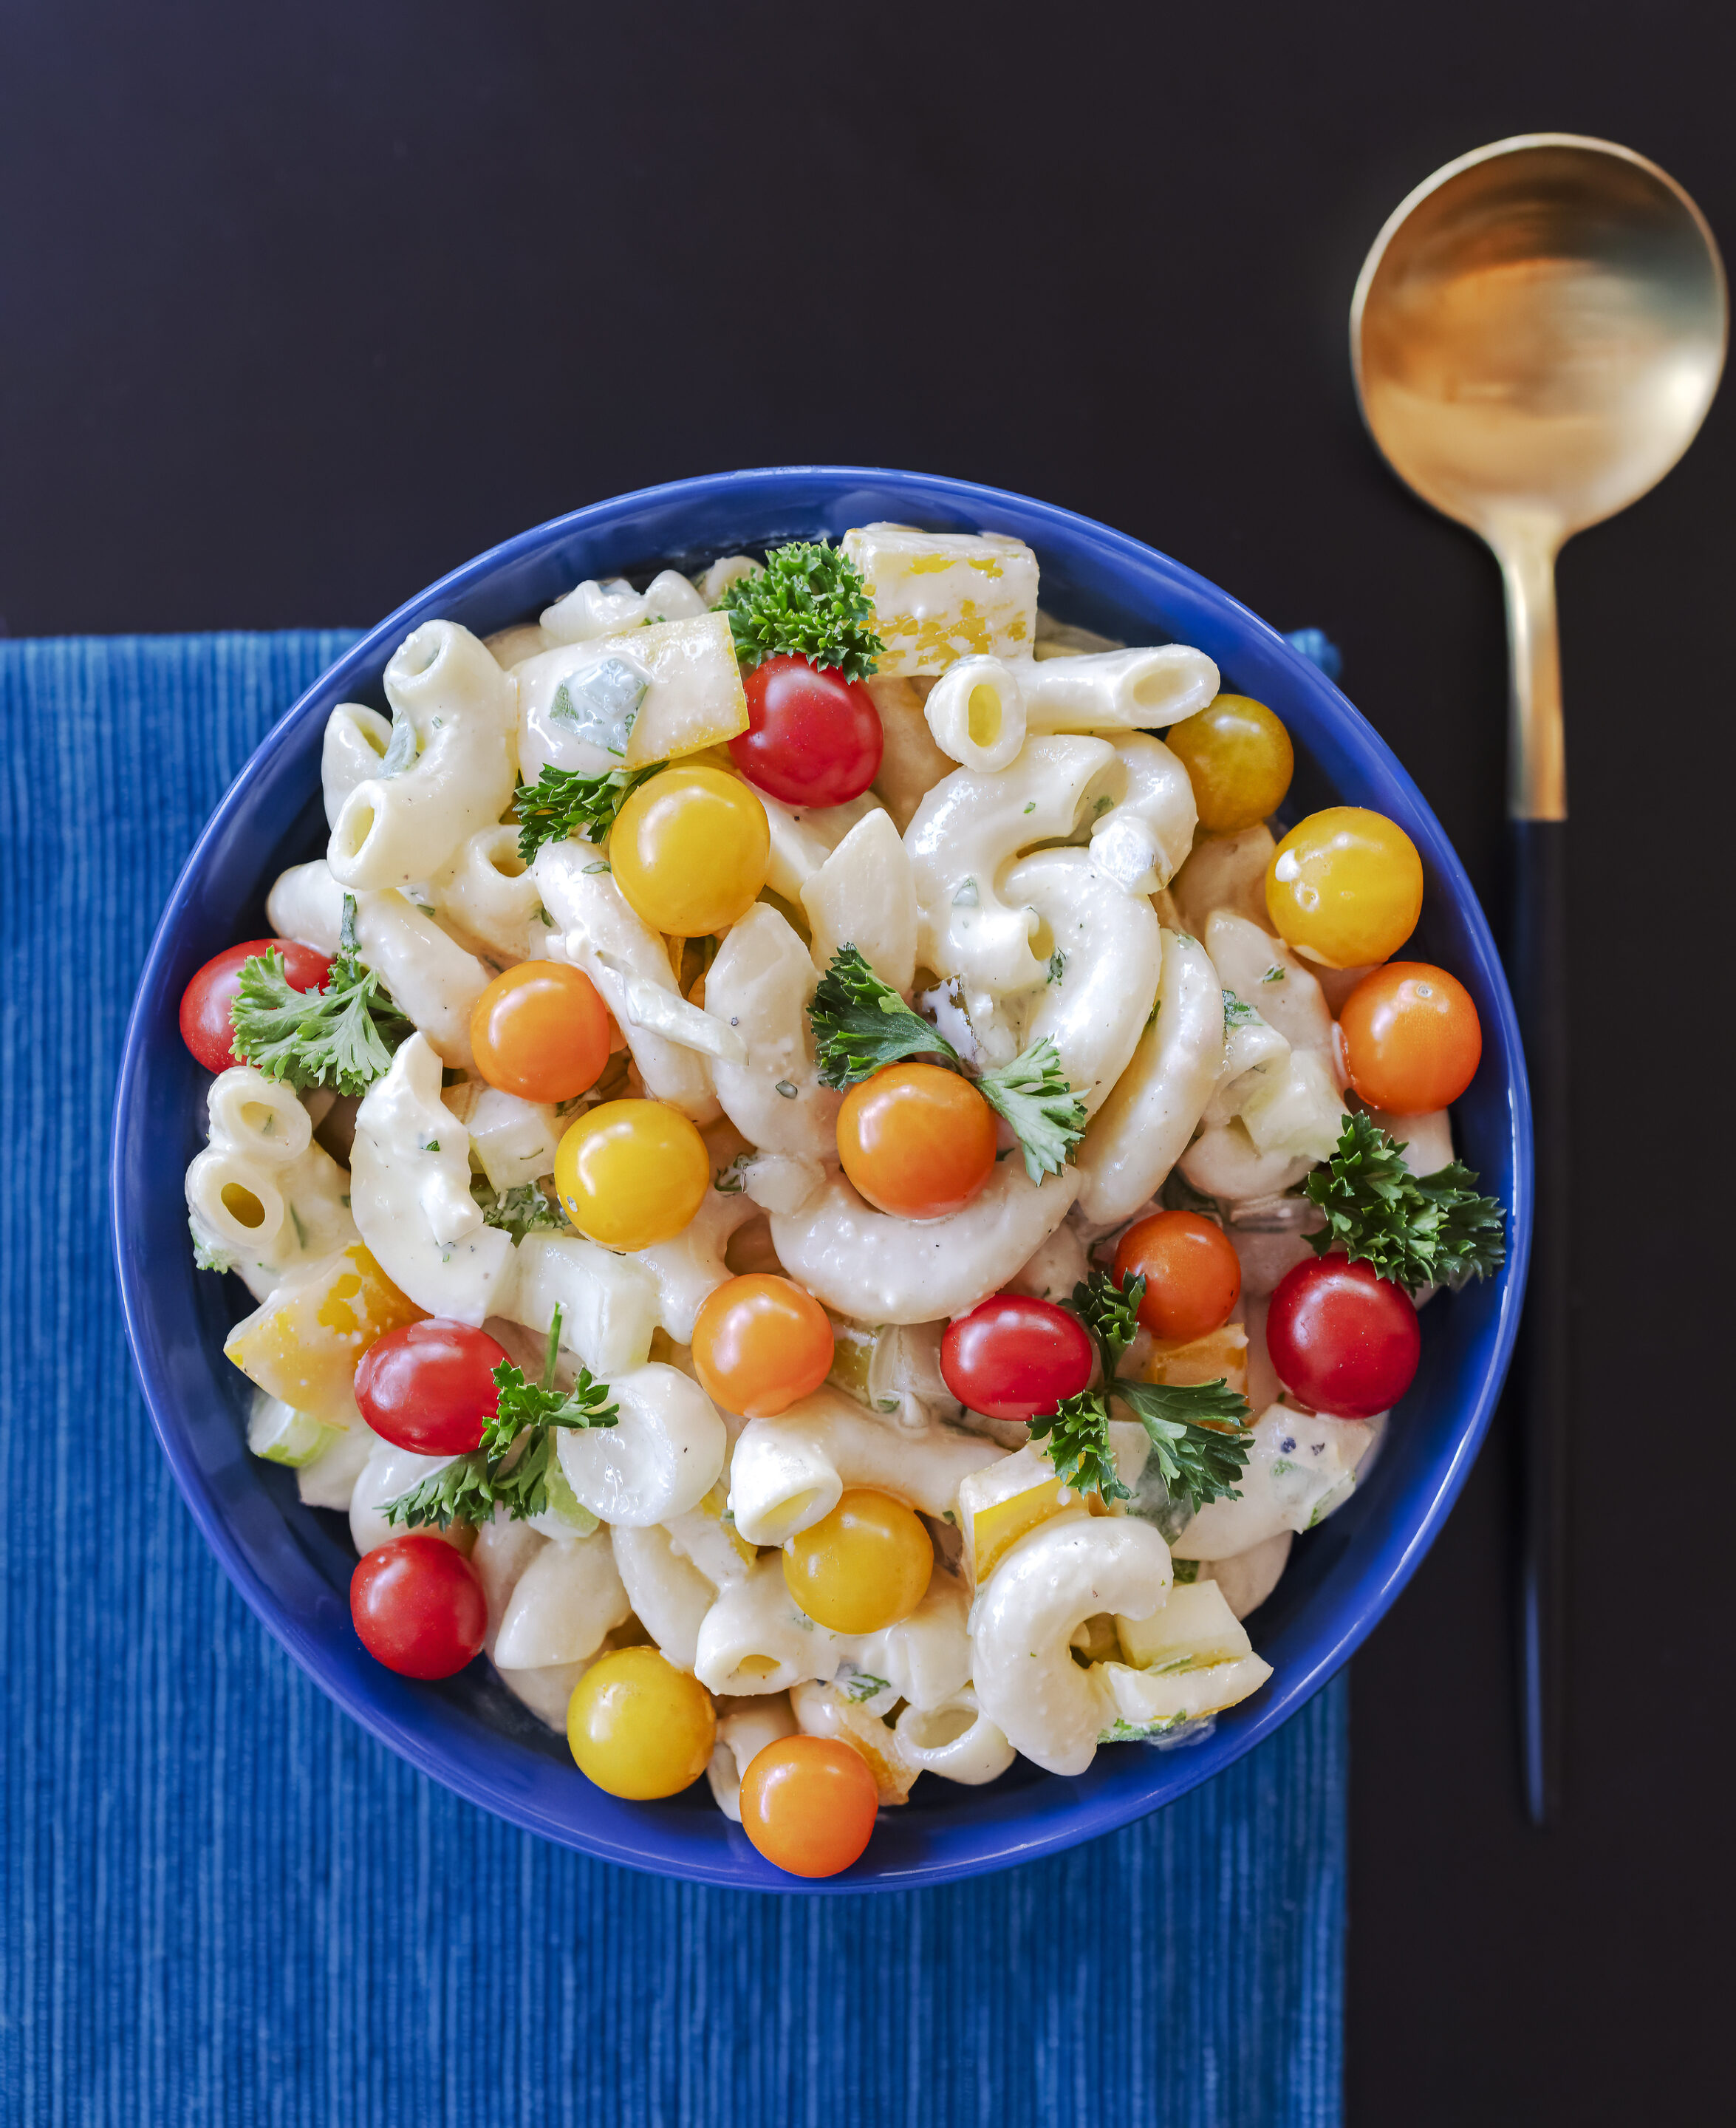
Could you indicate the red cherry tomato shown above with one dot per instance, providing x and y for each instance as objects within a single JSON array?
[
  {"x": 430, "y": 1386},
  {"x": 205, "y": 1003},
  {"x": 419, "y": 1606},
  {"x": 812, "y": 738},
  {"x": 1343, "y": 1341},
  {"x": 1014, "y": 1357}
]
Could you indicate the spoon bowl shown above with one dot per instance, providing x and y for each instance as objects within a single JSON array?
[{"x": 1538, "y": 333}]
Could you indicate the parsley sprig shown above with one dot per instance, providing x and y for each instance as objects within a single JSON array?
[
  {"x": 1078, "y": 1433},
  {"x": 510, "y": 1468},
  {"x": 809, "y": 599},
  {"x": 861, "y": 1024},
  {"x": 1416, "y": 1230},
  {"x": 1199, "y": 1433},
  {"x": 342, "y": 1036},
  {"x": 565, "y": 801},
  {"x": 521, "y": 1210}
]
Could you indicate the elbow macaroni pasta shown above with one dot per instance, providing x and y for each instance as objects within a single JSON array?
[
  {"x": 789, "y": 1471},
  {"x": 401, "y": 825},
  {"x": 262, "y": 1194}
]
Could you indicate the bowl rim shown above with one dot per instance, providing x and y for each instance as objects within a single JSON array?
[{"x": 1090, "y": 1816}]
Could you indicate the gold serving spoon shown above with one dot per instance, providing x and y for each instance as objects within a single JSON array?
[{"x": 1536, "y": 336}]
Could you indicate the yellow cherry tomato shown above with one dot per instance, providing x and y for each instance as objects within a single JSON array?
[
  {"x": 759, "y": 1342},
  {"x": 1344, "y": 887},
  {"x": 689, "y": 850},
  {"x": 631, "y": 1173},
  {"x": 864, "y": 1566},
  {"x": 1239, "y": 759},
  {"x": 638, "y": 1727}
]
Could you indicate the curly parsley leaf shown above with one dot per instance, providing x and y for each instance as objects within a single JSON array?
[
  {"x": 1199, "y": 1432},
  {"x": 1199, "y": 1436},
  {"x": 1109, "y": 1309},
  {"x": 509, "y": 1467},
  {"x": 566, "y": 801},
  {"x": 1471, "y": 1237},
  {"x": 862, "y": 1024},
  {"x": 1078, "y": 1433},
  {"x": 1416, "y": 1230},
  {"x": 341, "y": 1037},
  {"x": 809, "y": 599},
  {"x": 1032, "y": 1094},
  {"x": 527, "y": 1405},
  {"x": 521, "y": 1210}
]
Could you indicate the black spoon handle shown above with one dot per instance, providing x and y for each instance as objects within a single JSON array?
[{"x": 1537, "y": 1394}]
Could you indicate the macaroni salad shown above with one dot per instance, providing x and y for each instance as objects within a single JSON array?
[{"x": 816, "y": 1190}]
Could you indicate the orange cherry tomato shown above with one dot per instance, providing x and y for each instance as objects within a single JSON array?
[
  {"x": 917, "y": 1140},
  {"x": 808, "y": 1804},
  {"x": 759, "y": 1342},
  {"x": 540, "y": 1031},
  {"x": 1412, "y": 1038},
  {"x": 1192, "y": 1275}
]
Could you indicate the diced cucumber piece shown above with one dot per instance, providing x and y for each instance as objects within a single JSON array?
[
  {"x": 282, "y": 1434},
  {"x": 600, "y": 703},
  {"x": 564, "y": 1515}
]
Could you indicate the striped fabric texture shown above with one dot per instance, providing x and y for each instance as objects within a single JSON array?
[{"x": 224, "y": 1903}]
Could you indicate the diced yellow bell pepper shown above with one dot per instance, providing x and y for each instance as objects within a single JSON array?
[
  {"x": 942, "y": 596},
  {"x": 1194, "y": 1626},
  {"x": 305, "y": 1341},
  {"x": 1141, "y": 1702},
  {"x": 1005, "y": 1501},
  {"x": 695, "y": 698},
  {"x": 1221, "y": 1355}
]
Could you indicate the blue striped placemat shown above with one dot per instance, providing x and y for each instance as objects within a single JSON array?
[{"x": 224, "y": 1903}]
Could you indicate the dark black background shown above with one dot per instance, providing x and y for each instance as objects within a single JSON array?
[{"x": 301, "y": 306}]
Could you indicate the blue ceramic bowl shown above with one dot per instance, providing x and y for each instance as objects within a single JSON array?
[{"x": 293, "y": 1563}]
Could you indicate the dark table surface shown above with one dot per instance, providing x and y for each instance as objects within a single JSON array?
[{"x": 299, "y": 307}]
